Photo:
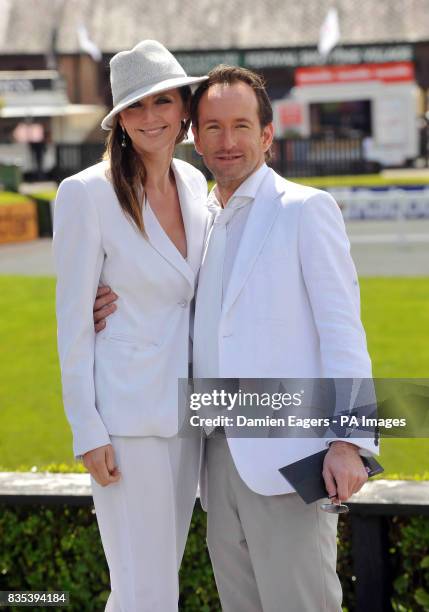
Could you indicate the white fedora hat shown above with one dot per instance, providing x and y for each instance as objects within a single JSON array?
[{"x": 147, "y": 69}]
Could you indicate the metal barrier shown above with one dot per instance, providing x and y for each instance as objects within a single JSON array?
[
  {"x": 300, "y": 157},
  {"x": 72, "y": 158},
  {"x": 389, "y": 203},
  {"x": 293, "y": 157}
]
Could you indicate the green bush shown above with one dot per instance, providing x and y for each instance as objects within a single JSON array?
[
  {"x": 54, "y": 549},
  {"x": 43, "y": 202},
  {"x": 59, "y": 548},
  {"x": 197, "y": 586},
  {"x": 410, "y": 551},
  {"x": 10, "y": 176}
]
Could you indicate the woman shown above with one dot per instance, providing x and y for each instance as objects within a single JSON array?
[{"x": 135, "y": 222}]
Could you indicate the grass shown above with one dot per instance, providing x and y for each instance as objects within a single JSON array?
[
  {"x": 362, "y": 180},
  {"x": 358, "y": 180},
  {"x": 9, "y": 197},
  {"x": 395, "y": 313},
  {"x": 34, "y": 428},
  {"x": 35, "y": 432},
  {"x": 44, "y": 195}
]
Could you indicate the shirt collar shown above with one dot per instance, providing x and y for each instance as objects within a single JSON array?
[{"x": 248, "y": 188}]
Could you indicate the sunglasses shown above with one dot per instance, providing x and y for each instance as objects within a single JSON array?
[{"x": 334, "y": 508}]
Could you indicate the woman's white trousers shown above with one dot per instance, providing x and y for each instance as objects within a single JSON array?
[{"x": 144, "y": 520}]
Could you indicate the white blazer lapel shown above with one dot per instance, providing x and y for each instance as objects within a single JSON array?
[
  {"x": 194, "y": 212},
  {"x": 261, "y": 218},
  {"x": 194, "y": 221}
]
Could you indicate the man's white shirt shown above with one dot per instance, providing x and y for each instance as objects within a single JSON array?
[
  {"x": 216, "y": 269},
  {"x": 247, "y": 191}
]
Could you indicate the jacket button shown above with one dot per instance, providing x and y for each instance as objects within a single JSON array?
[{"x": 183, "y": 303}]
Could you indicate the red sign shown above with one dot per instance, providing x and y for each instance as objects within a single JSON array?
[
  {"x": 395, "y": 72},
  {"x": 290, "y": 114}
]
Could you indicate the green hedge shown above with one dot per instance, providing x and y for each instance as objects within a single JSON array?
[
  {"x": 10, "y": 176},
  {"x": 43, "y": 202},
  {"x": 59, "y": 548}
]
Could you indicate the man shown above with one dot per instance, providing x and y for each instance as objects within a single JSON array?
[{"x": 277, "y": 297}]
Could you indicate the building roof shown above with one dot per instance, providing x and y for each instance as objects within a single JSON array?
[{"x": 26, "y": 26}]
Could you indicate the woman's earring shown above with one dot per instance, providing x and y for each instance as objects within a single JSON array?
[{"x": 124, "y": 139}]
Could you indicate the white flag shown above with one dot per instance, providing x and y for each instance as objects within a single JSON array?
[
  {"x": 329, "y": 32},
  {"x": 87, "y": 45}
]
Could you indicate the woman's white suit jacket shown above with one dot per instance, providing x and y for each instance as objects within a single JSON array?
[{"x": 123, "y": 381}]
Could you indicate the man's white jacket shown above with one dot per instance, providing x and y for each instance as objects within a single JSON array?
[{"x": 291, "y": 310}]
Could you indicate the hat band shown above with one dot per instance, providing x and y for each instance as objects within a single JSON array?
[{"x": 147, "y": 84}]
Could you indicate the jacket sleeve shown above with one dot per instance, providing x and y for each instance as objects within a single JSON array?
[
  {"x": 78, "y": 257},
  {"x": 331, "y": 281}
]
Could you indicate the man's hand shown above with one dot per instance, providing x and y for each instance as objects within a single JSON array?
[
  {"x": 101, "y": 464},
  {"x": 343, "y": 471},
  {"x": 103, "y": 306}
]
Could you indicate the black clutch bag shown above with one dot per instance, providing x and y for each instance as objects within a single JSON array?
[{"x": 306, "y": 477}]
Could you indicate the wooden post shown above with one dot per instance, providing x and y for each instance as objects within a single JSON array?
[{"x": 371, "y": 562}]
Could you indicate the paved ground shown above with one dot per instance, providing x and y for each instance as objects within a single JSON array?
[
  {"x": 390, "y": 248},
  {"x": 379, "y": 248},
  {"x": 33, "y": 258},
  {"x": 65, "y": 486}
]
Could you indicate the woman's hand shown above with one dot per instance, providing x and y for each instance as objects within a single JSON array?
[{"x": 100, "y": 463}]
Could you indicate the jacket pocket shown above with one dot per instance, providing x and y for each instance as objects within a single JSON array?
[{"x": 129, "y": 340}]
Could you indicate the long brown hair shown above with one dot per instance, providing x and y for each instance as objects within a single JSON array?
[{"x": 127, "y": 171}]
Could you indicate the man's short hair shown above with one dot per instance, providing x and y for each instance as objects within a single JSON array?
[{"x": 228, "y": 75}]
